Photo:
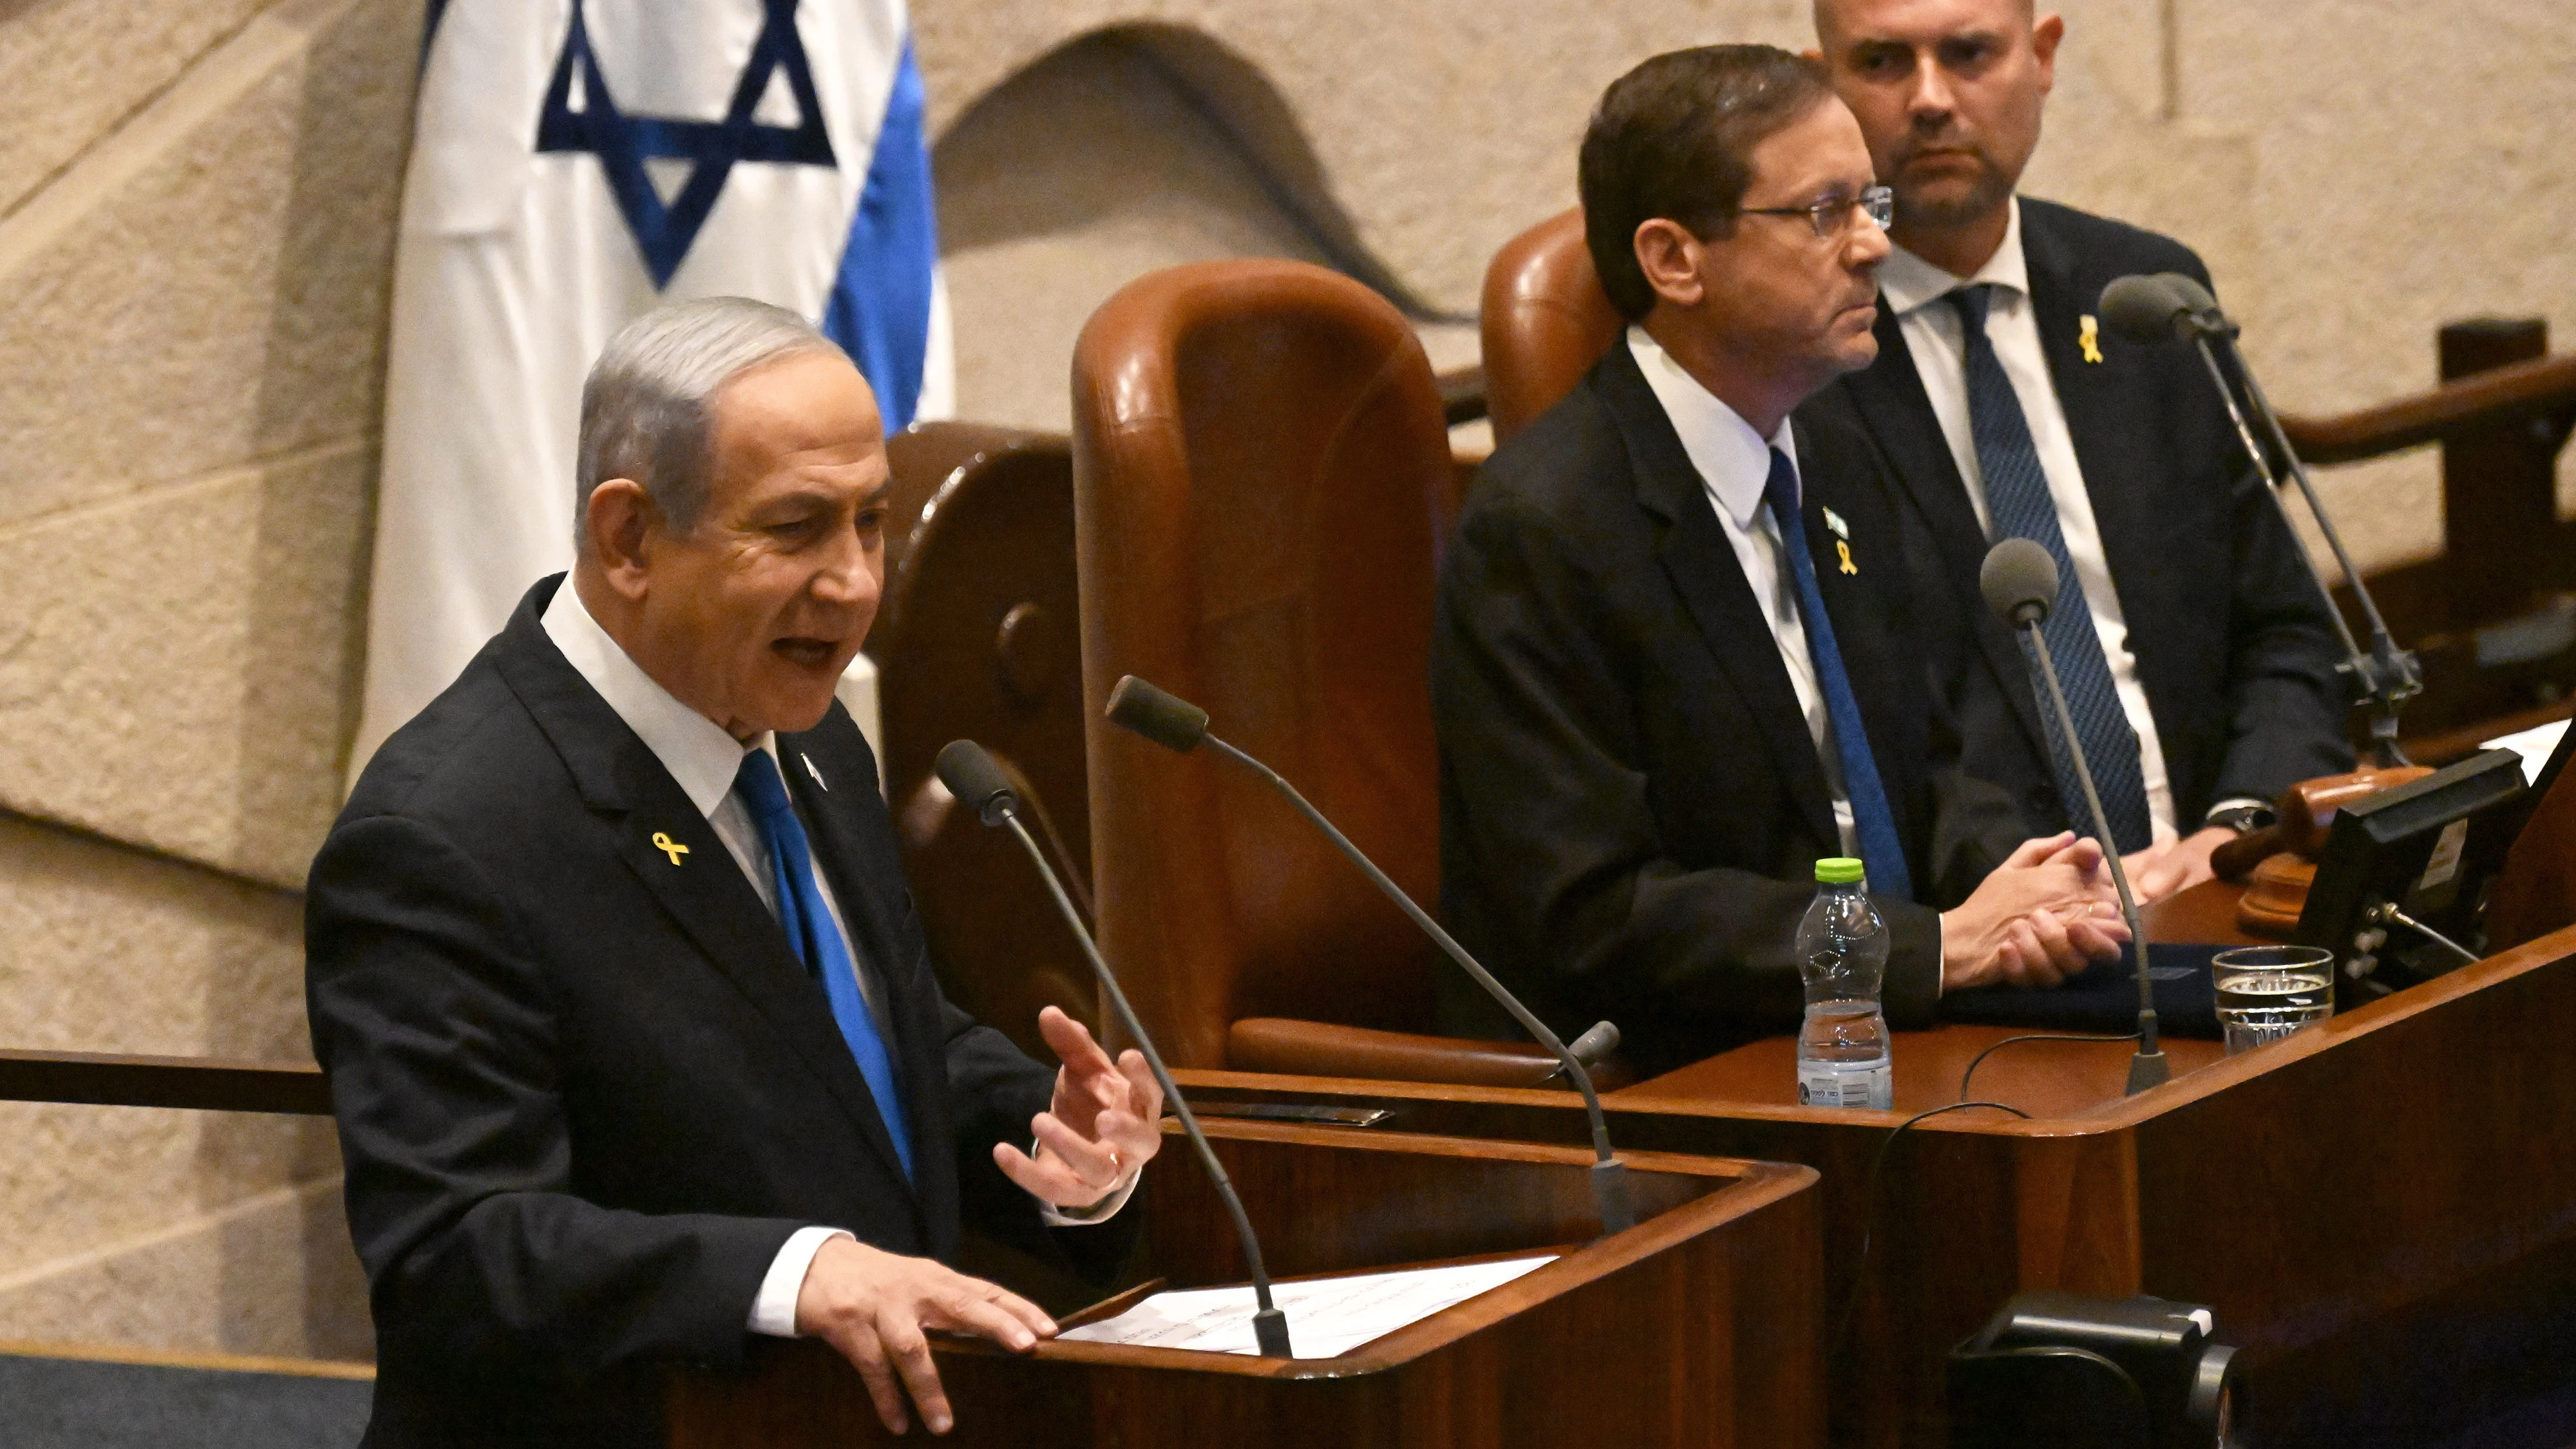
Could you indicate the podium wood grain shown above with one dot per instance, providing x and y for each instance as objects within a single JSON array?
[
  {"x": 1700, "y": 1326},
  {"x": 2382, "y": 1210}
]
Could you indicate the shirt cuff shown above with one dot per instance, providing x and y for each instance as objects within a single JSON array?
[
  {"x": 2231, "y": 803},
  {"x": 773, "y": 1311},
  {"x": 1099, "y": 1212}
]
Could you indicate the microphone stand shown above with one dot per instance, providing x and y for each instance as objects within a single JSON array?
[
  {"x": 1609, "y": 1175},
  {"x": 2149, "y": 1067},
  {"x": 1269, "y": 1324},
  {"x": 2386, "y": 677}
]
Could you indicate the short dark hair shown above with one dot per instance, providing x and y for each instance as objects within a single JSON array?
[{"x": 1674, "y": 138}]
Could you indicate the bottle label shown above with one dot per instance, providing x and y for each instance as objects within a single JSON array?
[{"x": 1847, "y": 1084}]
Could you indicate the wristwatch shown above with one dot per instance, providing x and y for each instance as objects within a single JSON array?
[{"x": 2245, "y": 817}]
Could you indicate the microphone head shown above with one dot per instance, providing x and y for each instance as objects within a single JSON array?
[
  {"x": 1165, "y": 718},
  {"x": 2019, "y": 581},
  {"x": 975, "y": 777},
  {"x": 2190, "y": 292},
  {"x": 2145, "y": 308},
  {"x": 1595, "y": 1045}
]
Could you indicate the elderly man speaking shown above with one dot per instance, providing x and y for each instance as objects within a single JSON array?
[{"x": 631, "y": 1036}]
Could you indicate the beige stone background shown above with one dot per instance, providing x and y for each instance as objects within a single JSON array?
[{"x": 196, "y": 209}]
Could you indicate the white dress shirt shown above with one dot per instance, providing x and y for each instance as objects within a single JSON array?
[
  {"x": 1914, "y": 288},
  {"x": 1734, "y": 464},
  {"x": 703, "y": 759}
]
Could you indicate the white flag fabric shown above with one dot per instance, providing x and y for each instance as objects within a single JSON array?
[{"x": 574, "y": 164}]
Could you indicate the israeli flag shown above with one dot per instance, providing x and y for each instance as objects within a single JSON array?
[{"x": 576, "y": 163}]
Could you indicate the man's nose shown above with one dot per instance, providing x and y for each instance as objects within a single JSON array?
[
  {"x": 1867, "y": 245},
  {"x": 847, "y": 577},
  {"x": 1932, "y": 99}
]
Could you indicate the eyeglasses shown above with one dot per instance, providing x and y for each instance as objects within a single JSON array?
[{"x": 1829, "y": 218}]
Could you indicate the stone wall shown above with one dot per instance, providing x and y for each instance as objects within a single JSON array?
[{"x": 196, "y": 214}]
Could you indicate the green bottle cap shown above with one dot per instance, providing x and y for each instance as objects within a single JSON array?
[{"x": 1838, "y": 870}]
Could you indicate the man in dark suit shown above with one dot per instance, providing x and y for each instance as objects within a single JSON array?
[
  {"x": 631, "y": 1036},
  {"x": 2196, "y": 654},
  {"x": 1673, "y": 664}
]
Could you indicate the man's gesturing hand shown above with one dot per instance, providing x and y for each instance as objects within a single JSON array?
[
  {"x": 1105, "y": 1122},
  {"x": 872, "y": 1306},
  {"x": 2035, "y": 920}
]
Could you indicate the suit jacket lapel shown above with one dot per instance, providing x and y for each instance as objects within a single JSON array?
[
  {"x": 687, "y": 869},
  {"x": 1892, "y": 404},
  {"x": 1702, "y": 568}
]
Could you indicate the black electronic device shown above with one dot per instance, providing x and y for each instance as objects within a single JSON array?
[
  {"x": 2058, "y": 1370},
  {"x": 2401, "y": 887}
]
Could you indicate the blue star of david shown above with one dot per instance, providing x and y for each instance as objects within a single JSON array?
[{"x": 623, "y": 143}]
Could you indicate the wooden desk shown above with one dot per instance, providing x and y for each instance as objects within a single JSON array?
[
  {"x": 2382, "y": 1210},
  {"x": 2043, "y": 1078},
  {"x": 1699, "y": 1328},
  {"x": 2204, "y": 915}
]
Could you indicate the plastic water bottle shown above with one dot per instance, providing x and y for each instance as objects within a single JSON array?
[{"x": 1842, "y": 953}]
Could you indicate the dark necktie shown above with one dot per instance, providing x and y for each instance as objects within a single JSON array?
[
  {"x": 817, "y": 942},
  {"x": 2019, "y": 503},
  {"x": 1882, "y": 855}
]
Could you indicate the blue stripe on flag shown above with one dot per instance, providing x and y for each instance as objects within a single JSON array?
[{"x": 879, "y": 310}]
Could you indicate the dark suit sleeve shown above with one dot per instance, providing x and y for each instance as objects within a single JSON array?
[
  {"x": 1975, "y": 824},
  {"x": 434, "y": 1024},
  {"x": 1552, "y": 828}
]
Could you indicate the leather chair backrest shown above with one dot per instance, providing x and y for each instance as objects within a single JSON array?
[
  {"x": 1259, "y": 452},
  {"x": 976, "y": 639},
  {"x": 1546, "y": 321}
]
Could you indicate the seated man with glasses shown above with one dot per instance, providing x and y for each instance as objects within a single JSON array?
[{"x": 1674, "y": 660}]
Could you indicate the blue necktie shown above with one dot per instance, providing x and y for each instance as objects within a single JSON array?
[
  {"x": 1882, "y": 855},
  {"x": 817, "y": 942},
  {"x": 2020, "y": 505}
]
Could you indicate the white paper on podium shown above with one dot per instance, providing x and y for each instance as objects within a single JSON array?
[
  {"x": 2534, "y": 745},
  {"x": 1327, "y": 1317}
]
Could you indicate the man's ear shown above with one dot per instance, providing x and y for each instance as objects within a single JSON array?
[
  {"x": 620, "y": 524},
  {"x": 1669, "y": 256},
  {"x": 2044, "y": 37}
]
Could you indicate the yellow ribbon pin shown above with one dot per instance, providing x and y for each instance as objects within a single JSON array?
[
  {"x": 669, "y": 847},
  {"x": 1842, "y": 550},
  {"x": 2088, "y": 335}
]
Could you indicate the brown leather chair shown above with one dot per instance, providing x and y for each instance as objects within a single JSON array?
[
  {"x": 1259, "y": 455},
  {"x": 1546, "y": 321},
  {"x": 976, "y": 639}
]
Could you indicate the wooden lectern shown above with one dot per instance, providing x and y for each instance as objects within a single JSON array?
[
  {"x": 1700, "y": 1326},
  {"x": 2381, "y": 1210}
]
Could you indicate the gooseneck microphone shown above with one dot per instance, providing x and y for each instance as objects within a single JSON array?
[
  {"x": 971, "y": 775},
  {"x": 2019, "y": 581},
  {"x": 2170, "y": 306},
  {"x": 1180, "y": 726}
]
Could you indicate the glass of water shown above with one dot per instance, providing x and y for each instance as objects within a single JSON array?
[{"x": 2267, "y": 992}]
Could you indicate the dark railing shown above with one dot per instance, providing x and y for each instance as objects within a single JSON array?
[{"x": 212, "y": 1084}]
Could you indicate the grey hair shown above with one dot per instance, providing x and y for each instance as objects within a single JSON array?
[{"x": 645, "y": 409}]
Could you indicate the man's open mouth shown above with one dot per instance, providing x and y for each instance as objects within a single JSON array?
[{"x": 812, "y": 653}]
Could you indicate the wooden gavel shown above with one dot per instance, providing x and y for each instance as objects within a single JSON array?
[
  {"x": 2282, "y": 857},
  {"x": 2307, "y": 812}
]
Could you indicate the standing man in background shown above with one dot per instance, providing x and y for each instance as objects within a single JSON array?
[{"x": 2195, "y": 652}]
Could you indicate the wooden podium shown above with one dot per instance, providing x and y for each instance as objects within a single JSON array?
[
  {"x": 1698, "y": 1327},
  {"x": 2382, "y": 1210}
]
